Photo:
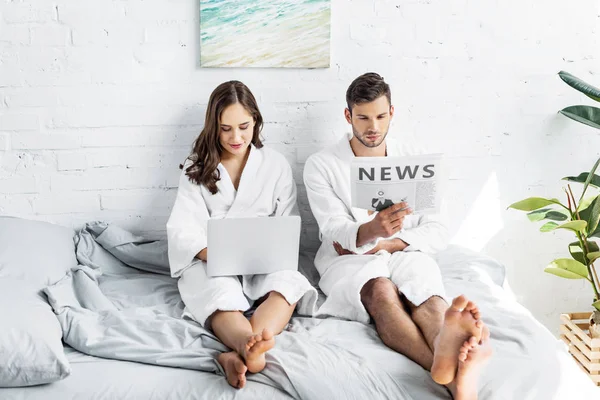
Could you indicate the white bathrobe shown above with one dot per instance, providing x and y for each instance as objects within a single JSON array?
[
  {"x": 266, "y": 188},
  {"x": 413, "y": 271}
]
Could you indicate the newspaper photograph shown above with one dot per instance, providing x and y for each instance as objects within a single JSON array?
[{"x": 379, "y": 182}]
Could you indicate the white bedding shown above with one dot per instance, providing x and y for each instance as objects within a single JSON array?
[
  {"x": 101, "y": 379},
  {"x": 313, "y": 358}
]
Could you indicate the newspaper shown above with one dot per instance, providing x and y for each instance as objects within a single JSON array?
[{"x": 379, "y": 182}]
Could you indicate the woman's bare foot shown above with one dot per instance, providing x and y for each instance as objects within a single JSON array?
[
  {"x": 255, "y": 349},
  {"x": 235, "y": 369},
  {"x": 460, "y": 325},
  {"x": 471, "y": 360}
]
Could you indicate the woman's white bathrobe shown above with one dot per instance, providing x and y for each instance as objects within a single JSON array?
[
  {"x": 413, "y": 271},
  {"x": 266, "y": 188}
]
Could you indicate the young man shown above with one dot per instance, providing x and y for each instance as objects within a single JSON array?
[{"x": 376, "y": 265}]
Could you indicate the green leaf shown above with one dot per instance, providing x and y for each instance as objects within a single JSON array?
[
  {"x": 562, "y": 273},
  {"x": 591, "y": 214},
  {"x": 593, "y": 256},
  {"x": 577, "y": 252},
  {"x": 596, "y": 233},
  {"x": 596, "y": 304},
  {"x": 533, "y": 203},
  {"x": 585, "y": 213},
  {"x": 585, "y": 203},
  {"x": 587, "y": 115},
  {"x": 582, "y": 178},
  {"x": 590, "y": 176},
  {"x": 548, "y": 213},
  {"x": 578, "y": 84},
  {"x": 548, "y": 227},
  {"x": 570, "y": 265},
  {"x": 594, "y": 217},
  {"x": 576, "y": 226}
]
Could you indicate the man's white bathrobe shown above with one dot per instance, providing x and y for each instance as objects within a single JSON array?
[
  {"x": 266, "y": 188},
  {"x": 413, "y": 271}
]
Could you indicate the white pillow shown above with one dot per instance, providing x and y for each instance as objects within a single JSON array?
[
  {"x": 37, "y": 252},
  {"x": 33, "y": 255},
  {"x": 31, "y": 349}
]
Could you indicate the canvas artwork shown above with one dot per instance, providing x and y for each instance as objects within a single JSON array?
[{"x": 265, "y": 33}]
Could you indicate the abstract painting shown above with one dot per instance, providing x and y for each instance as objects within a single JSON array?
[{"x": 265, "y": 33}]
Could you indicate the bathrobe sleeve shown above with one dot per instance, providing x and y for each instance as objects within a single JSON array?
[
  {"x": 428, "y": 235},
  {"x": 334, "y": 218},
  {"x": 286, "y": 192},
  {"x": 187, "y": 225}
]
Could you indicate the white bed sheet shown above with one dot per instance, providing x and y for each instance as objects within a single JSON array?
[{"x": 529, "y": 362}]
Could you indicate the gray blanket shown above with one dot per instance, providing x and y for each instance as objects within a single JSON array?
[
  {"x": 109, "y": 307},
  {"x": 112, "y": 307}
]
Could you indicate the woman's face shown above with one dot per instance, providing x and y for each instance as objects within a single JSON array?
[{"x": 237, "y": 128}]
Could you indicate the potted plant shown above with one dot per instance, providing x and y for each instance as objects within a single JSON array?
[{"x": 580, "y": 216}]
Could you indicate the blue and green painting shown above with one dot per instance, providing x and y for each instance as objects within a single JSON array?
[{"x": 265, "y": 33}]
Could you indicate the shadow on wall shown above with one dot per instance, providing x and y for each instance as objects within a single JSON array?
[{"x": 532, "y": 164}]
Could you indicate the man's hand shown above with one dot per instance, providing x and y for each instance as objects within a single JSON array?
[
  {"x": 390, "y": 245},
  {"x": 203, "y": 255},
  {"x": 385, "y": 224}
]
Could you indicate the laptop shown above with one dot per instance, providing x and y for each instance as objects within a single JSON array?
[{"x": 249, "y": 246}]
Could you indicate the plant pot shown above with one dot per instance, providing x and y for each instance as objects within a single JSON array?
[
  {"x": 584, "y": 349},
  {"x": 595, "y": 325}
]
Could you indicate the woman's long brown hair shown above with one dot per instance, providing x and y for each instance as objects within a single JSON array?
[{"x": 206, "y": 151}]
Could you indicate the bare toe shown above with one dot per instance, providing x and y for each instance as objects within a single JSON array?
[
  {"x": 472, "y": 341},
  {"x": 485, "y": 335},
  {"x": 459, "y": 303}
]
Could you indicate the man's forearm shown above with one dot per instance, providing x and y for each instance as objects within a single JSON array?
[
  {"x": 364, "y": 235},
  {"x": 394, "y": 245}
]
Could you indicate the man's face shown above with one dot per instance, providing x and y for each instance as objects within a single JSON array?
[{"x": 371, "y": 121}]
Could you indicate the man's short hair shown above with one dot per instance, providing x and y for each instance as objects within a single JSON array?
[{"x": 367, "y": 88}]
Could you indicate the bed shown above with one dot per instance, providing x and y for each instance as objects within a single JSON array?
[{"x": 125, "y": 339}]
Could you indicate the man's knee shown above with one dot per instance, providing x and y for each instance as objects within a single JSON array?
[{"x": 377, "y": 291}]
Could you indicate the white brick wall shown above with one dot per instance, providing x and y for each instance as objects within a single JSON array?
[{"x": 101, "y": 100}]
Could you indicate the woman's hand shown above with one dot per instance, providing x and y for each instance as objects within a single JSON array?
[{"x": 340, "y": 250}]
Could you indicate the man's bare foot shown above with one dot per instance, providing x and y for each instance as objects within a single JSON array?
[
  {"x": 235, "y": 369},
  {"x": 255, "y": 349},
  {"x": 471, "y": 360},
  {"x": 474, "y": 310},
  {"x": 460, "y": 325}
]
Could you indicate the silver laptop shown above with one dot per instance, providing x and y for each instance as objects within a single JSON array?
[{"x": 249, "y": 246}]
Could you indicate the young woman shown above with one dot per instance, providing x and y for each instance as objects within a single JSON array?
[{"x": 230, "y": 174}]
